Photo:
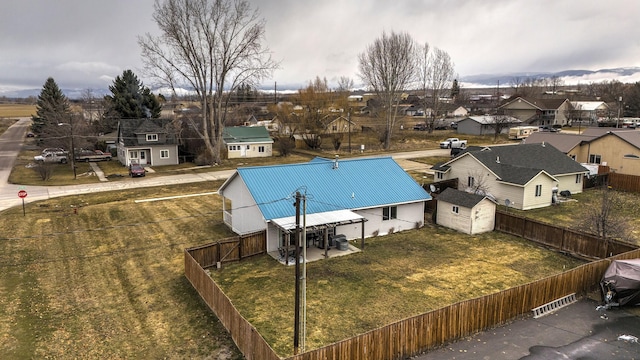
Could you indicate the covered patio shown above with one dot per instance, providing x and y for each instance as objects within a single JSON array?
[{"x": 318, "y": 236}]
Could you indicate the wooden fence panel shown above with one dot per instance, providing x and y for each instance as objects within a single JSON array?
[{"x": 624, "y": 182}]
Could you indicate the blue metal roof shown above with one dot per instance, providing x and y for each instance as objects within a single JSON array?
[{"x": 353, "y": 184}]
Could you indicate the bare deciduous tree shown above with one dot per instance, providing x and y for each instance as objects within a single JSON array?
[
  {"x": 606, "y": 218},
  {"x": 436, "y": 78},
  {"x": 210, "y": 47},
  {"x": 388, "y": 66}
]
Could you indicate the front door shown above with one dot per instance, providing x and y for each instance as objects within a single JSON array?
[{"x": 143, "y": 157}]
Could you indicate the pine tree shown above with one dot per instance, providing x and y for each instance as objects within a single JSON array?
[
  {"x": 52, "y": 108},
  {"x": 130, "y": 99}
]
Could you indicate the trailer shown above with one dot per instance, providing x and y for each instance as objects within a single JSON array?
[{"x": 521, "y": 132}]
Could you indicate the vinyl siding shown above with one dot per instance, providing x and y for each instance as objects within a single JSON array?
[{"x": 246, "y": 216}]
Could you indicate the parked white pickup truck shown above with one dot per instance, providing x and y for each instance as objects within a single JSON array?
[
  {"x": 52, "y": 157},
  {"x": 453, "y": 143}
]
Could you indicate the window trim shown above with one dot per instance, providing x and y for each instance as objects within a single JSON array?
[
  {"x": 162, "y": 152},
  {"x": 538, "y": 190},
  {"x": 455, "y": 209},
  {"x": 389, "y": 213},
  {"x": 152, "y": 137}
]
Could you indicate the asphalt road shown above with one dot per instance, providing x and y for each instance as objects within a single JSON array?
[{"x": 12, "y": 140}]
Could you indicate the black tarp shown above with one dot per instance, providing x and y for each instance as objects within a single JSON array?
[{"x": 623, "y": 279}]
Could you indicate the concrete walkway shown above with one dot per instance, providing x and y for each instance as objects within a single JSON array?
[{"x": 99, "y": 173}]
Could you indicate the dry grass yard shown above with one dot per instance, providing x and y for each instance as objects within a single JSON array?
[
  {"x": 396, "y": 277},
  {"x": 108, "y": 283}
]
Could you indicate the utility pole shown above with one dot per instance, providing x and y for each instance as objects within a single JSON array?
[
  {"x": 349, "y": 121},
  {"x": 296, "y": 317}
]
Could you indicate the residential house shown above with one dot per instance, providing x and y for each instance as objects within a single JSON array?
[
  {"x": 339, "y": 124},
  {"x": 453, "y": 110},
  {"x": 541, "y": 112},
  {"x": 357, "y": 198},
  {"x": 465, "y": 212},
  {"x": 486, "y": 124},
  {"x": 617, "y": 148},
  {"x": 524, "y": 174},
  {"x": 247, "y": 142},
  {"x": 147, "y": 142},
  {"x": 589, "y": 111}
]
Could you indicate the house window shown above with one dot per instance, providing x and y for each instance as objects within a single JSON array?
[
  {"x": 455, "y": 209},
  {"x": 470, "y": 181},
  {"x": 164, "y": 154},
  {"x": 152, "y": 137},
  {"x": 133, "y": 154},
  {"x": 389, "y": 212},
  {"x": 538, "y": 190},
  {"x": 578, "y": 178},
  {"x": 334, "y": 127},
  {"x": 248, "y": 147},
  {"x": 595, "y": 159},
  {"x": 234, "y": 147},
  {"x": 260, "y": 149},
  {"x": 439, "y": 175}
]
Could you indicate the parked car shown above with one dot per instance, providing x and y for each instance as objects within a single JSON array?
[
  {"x": 95, "y": 155},
  {"x": 136, "y": 170},
  {"x": 30, "y": 134},
  {"x": 52, "y": 150}
]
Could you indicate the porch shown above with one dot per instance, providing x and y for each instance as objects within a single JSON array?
[{"x": 313, "y": 254}]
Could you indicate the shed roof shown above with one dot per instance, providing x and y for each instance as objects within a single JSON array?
[
  {"x": 246, "y": 134},
  {"x": 329, "y": 186},
  {"x": 461, "y": 198}
]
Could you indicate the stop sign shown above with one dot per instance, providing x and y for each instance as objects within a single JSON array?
[{"x": 22, "y": 194}]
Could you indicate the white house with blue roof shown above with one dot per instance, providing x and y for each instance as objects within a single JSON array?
[{"x": 357, "y": 198}]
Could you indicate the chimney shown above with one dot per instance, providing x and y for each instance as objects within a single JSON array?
[{"x": 335, "y": 163}]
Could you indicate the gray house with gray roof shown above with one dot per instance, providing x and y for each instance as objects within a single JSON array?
[
  {"x": 149, "y": 142},
  {"x": 524, "y": 174}
]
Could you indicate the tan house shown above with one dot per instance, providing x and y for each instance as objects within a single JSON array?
[
  {"x": 247, "y": 142},
  {"x": 539, "y": 112},
  {"x": 465, "y": 212},
  {"x": 339, "y": 124},
  {"x": 619, "y": 149}
]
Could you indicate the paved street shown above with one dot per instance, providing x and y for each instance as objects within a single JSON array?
[{"x": 11, "y": 142}]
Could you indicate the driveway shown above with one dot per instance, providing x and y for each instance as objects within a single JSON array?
[{"x": 575, "y": 332}]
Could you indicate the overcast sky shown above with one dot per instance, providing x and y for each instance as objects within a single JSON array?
[{"x": 85, "y": 44}]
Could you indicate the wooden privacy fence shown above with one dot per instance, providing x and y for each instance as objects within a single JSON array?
[
  {"x": 559, "y": 238},
  {"x": 414, "y": 335},
  {"x": 624, "y": 182},
  {"x": 230, "y": 249}
]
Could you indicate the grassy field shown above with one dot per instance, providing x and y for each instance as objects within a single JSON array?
[
  {"x": 108, "y": 282},
  {"x": 16, "y": 110},
  {"x": 5, "y": 123}
]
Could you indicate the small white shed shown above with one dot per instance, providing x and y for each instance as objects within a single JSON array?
[{"x": 465, "y": 212}]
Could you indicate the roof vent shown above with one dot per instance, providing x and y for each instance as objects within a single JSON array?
[
  {"x": 543, "y": 144},
  {"x": 497, "y": 159},
  {"x": 335, "y": 162}
]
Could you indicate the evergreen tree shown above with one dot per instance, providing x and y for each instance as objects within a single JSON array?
[
  {"x": 52, "y": 108},
  {"x": 455, "y": 88},
  {"x": 130, "y": 99}
]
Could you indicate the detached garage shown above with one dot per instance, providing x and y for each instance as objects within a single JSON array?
[{"x": 465, "y": 212}]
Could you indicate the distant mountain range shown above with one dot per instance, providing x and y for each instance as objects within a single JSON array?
[{"x": 568, "y": 77}]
